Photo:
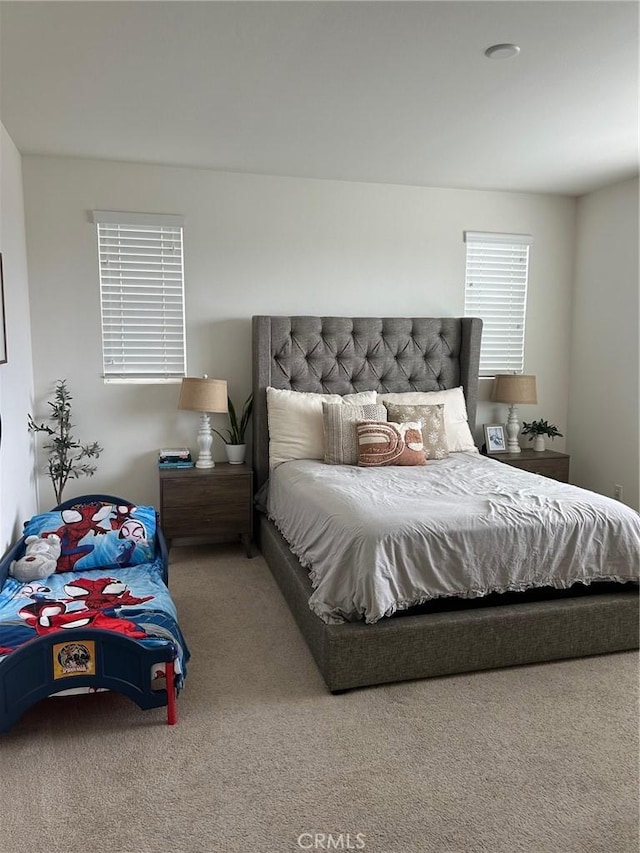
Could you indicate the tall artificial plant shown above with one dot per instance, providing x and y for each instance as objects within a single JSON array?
[{"x": 66, "y": 455}]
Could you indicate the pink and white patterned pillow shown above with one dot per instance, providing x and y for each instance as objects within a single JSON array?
[{"x": 381, "y": 443}]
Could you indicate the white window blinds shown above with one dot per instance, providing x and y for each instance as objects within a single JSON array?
[
  {"x": 496, "y": 291},
  {"x": 142, "y": 296}
]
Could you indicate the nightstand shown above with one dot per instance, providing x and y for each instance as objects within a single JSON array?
[
  {"x": 549, "y": 463},
  {"x": 207, "y": 502}
]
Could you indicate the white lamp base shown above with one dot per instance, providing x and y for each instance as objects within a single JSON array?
[
  {"x": 513, "y": 428},
  {"x": 205, "y": 439}
]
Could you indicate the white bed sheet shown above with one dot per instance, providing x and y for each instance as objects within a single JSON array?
[{"x": 376, "y": 540}]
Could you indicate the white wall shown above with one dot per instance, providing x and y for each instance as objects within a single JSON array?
[
  {"x": 604, "y": 392},
  {"x": 17, "y": 478},
  {"x": 259, "y": 244}
]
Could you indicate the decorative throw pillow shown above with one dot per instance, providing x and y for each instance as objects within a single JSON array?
[
  {"x": 455, "y": 413},
  {"x": 434, "y": 436},
  {"x": 340, "y": 436},
  {"x": 382, "y": 443},
  {"x": 98, "y": 535},
  {"x": 295, "y": 422}
]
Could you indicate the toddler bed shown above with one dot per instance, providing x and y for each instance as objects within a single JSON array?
[{"x": 103, "y": 621}]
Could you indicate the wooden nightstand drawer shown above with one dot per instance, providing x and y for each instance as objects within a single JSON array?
[
  {"x": 216, "y": 502},
  {"x": 197, "y": 491},
  {"x": 547, "y": 463},
  {"x": 213, "y": 519},
  {"x": 556, "y": 469}
]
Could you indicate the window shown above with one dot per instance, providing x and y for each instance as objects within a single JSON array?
[
  {"x": 496, "y": 291},
  {"x": 141, "y": 296}
]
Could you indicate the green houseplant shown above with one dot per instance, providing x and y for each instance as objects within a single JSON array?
[
  {"x": 537, "y": 430},
  {"x": 235, "y": 434},
  {"x": 66, "y": 454}
]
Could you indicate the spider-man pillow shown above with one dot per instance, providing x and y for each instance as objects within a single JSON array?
[{"x": 96, "y": 535}]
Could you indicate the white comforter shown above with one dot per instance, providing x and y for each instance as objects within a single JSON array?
[{"x": 377, "y": 540}]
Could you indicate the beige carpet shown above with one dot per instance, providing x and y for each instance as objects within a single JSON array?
[{"x": 541, "y": 759}]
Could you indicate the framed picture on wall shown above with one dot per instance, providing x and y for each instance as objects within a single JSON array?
[
  {"x": 494, "y": 438},
  {"x": 3, "y": 327}
]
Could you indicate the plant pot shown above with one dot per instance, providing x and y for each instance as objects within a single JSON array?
[
  {"x": 236, "y": 453},
  {"x": 538, "y": 442}
]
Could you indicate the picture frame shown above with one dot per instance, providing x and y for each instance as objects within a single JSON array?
[
  {"x": 495, "y": 439},
  {"x": 3, "y": 326}
]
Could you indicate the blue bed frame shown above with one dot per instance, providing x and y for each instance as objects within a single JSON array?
[{"x": 122, "y": 664}]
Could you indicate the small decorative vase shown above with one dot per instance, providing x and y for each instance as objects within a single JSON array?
[
  {"x": 236, "y": 453},
  {"x": 538, "y": 442}
]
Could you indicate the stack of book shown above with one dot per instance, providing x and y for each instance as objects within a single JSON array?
[{"x": 174, "y": 457}]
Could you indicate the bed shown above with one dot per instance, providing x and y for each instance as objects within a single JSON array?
[
  {"x": 104, "y": 620},
  {"x": 445, "y": 634}
]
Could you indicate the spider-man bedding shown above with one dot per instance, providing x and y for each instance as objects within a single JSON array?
[{"x": 105, "y": 619}]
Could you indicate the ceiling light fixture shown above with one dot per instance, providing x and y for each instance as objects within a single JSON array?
[{"x": 502, "y": 51}]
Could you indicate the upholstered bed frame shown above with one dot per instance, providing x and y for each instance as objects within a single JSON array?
[{"x": 341, "y": 355}]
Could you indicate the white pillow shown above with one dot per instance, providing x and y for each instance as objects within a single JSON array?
[
  {"x": 456, "y": 425},
  {"x": 295, "y": 422}
]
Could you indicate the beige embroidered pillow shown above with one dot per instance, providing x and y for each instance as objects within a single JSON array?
[
  {"x": 340, "y": 436},
  {"x": 390, "y": 444},
  {"x": 434, "y": 436},
  {"x": 455, "y": 413}
]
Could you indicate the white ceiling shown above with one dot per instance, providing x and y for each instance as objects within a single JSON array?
[{"x": 390, "y": 92}]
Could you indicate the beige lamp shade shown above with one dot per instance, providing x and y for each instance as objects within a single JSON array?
[
  {"x": 514, "y": 388},
  {"x": 203, "y": 394}
]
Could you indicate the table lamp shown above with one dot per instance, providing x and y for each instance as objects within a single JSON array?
[
  {"x": 513, "y": 388},
  {"x": 204, "y": 395}
]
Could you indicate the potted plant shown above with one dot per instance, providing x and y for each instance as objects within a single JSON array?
[
  {"x": 234, "y": 440},
  {"x": 66, "y": 455},
  {"x": 536, "y": 430}
]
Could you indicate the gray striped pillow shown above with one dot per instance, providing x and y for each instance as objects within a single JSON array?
[{"x": 340, "y": 435}]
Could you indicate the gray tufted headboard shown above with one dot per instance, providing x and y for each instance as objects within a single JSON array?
[{"x": 340, "y": 355}]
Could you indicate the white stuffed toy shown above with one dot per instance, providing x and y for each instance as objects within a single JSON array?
[{"x": 40, "y": 559}]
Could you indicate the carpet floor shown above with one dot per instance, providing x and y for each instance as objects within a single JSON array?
[{"x": 538, "y": 759}]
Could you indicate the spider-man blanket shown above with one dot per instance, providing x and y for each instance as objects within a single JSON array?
[{"x": 132, "y": 601}]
